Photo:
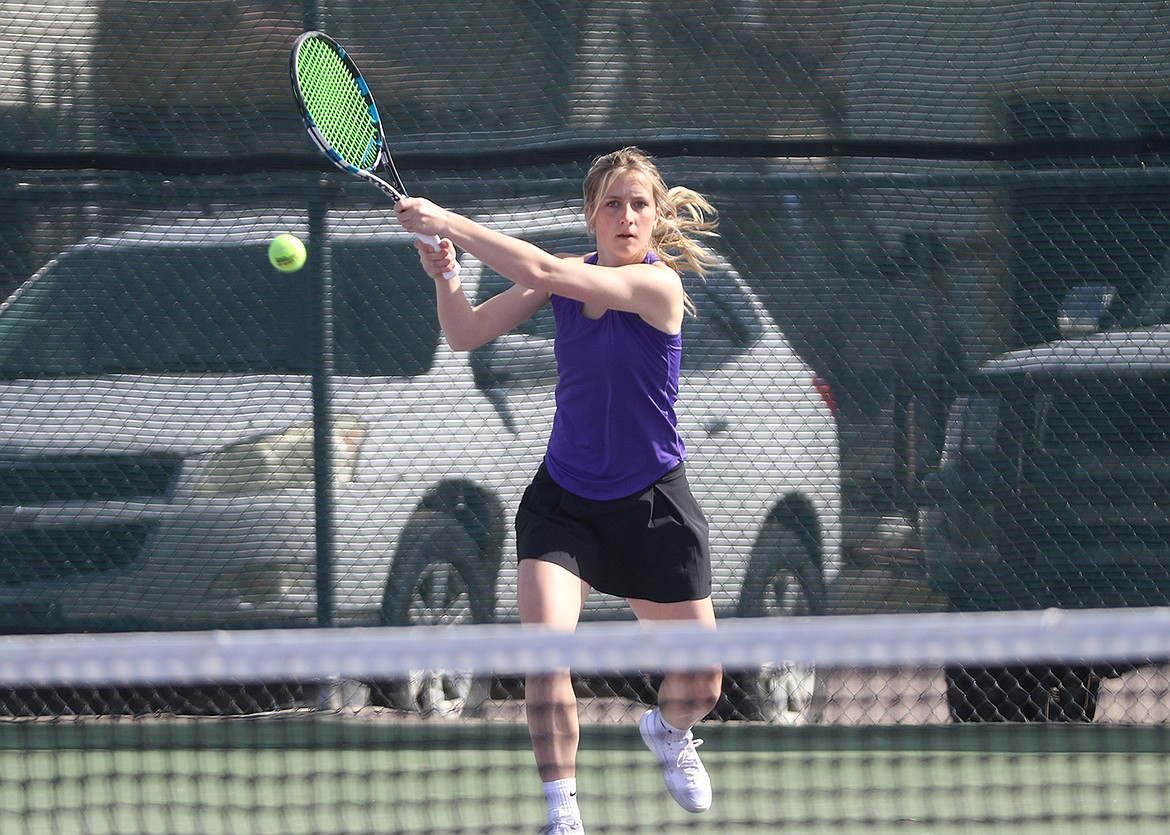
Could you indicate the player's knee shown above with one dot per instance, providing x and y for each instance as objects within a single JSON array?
[
  {"x": 710, "y": 687},
  {"x": 695, "y": 692}
]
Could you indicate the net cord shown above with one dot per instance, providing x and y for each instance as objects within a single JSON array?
[{"x": 1098, "y": 636}]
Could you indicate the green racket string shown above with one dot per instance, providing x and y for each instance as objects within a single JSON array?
[{"x": 336, "y": 105}]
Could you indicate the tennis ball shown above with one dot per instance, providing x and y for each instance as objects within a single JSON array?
[{"x": 287, "y": 253}]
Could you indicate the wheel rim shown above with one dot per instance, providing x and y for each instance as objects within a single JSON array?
[
  {"x": 441, "y": 597},
  {"x": 433, "y": 594},
  {"x": 788, "y": 693},
  {"x": 786, "y": 596}
]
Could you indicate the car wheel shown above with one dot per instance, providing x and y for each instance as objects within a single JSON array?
[
  {"x": 439, "y": 577},
  {"x": 1022, "y": 694},
  {"x": 783, "y": 578}
]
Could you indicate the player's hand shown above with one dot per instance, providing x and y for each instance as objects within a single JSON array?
[
  {"x": 421, "y": 216},
  {"x": 438, "y": 263}
]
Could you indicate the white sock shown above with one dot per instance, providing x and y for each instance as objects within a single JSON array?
[{"x": 562, "y": 799}]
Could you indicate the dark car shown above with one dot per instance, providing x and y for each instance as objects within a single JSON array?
[{"x": 1053, "y": 491}]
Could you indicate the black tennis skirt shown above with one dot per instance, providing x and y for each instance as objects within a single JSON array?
[{"x": 652, "y": 545}]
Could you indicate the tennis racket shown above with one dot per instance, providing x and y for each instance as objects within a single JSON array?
[{"x": 341, "y": 117}]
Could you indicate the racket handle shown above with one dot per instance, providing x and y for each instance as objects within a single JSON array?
[{"x": 433, "y": 242}]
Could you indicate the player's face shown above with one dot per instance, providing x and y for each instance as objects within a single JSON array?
[{"x": 624, "y": 220}]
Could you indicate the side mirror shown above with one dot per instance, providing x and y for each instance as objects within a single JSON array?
[{"x": 1084, "y": 308}]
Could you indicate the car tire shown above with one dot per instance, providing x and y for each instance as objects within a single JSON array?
[
  {"x": 783, "y": 578},
  {"x": 1022, "y": 694},
  {"x": 440, "y": 576}
]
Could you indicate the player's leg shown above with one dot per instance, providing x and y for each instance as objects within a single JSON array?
[
  {"x": 683, "y": 699},
  {"x": 550, "y": 595}
]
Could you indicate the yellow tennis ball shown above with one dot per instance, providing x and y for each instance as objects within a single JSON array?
[{"x": 287, "y": 253}]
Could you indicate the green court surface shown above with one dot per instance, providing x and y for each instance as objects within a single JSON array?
[{"x": 289, "y": 775}]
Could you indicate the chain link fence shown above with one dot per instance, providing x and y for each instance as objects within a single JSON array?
[{"x": 910, "y": 196}]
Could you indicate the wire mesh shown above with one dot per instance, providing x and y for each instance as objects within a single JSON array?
[{"x": 929, "y": 372}]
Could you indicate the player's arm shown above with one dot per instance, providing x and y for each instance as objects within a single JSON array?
[
  {"x": 466, "y": 326},
  {"x": 652, "y": 291}
]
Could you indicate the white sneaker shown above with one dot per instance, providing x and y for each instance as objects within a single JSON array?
[
  {"x": 563, "y": 827},
  {"x": 686, "y": 779}
]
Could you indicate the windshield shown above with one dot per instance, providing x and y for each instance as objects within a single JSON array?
[{"x": 184, "y": 310}]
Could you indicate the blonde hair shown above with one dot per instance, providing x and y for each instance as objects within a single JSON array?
[{"x": 683, "y": 214}]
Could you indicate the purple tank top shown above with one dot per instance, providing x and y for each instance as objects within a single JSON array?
[{"x": 615, "y": 431}]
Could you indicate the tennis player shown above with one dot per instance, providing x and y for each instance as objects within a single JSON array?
[{"x": 609, "y": 508}]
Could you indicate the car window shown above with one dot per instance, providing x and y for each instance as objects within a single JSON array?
[
  {"x": 974, "y": 424},
  {"x": 1116, "y": 419},
  {"x": 207, "y": 310},
  {"x": 1153, "y": 304},
  {"x": 491, "y": 283},
  {"x": 727, "y": 324},
  {"x": 1154, "y": 308},
  {"x": 385, "y": 311}
]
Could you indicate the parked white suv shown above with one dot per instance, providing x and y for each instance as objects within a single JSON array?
[{"x": 156, "y": 466}]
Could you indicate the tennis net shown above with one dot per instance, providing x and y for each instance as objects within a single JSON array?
[{"x": 315, "y": 731}]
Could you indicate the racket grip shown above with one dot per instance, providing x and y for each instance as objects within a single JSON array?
[{"x": 433, "y": 242}]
